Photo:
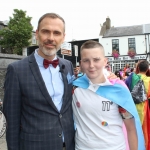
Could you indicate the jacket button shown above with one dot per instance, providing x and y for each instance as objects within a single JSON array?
[
  {"x": 60, "y": 135},
  {"x": 60, "y": 116}
]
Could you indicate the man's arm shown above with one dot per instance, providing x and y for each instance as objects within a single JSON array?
[
  {"x": 12, "y": 108},
  {"x": 132, "y": 134}
]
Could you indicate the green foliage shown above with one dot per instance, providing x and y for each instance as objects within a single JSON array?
[{"x": 18, "y": 32}]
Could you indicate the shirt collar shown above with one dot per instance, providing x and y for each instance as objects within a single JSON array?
[{"x": 107, "y": 82}]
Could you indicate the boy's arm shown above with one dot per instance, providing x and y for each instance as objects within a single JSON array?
[
  {"x": 130, "y": 128},
  {"x": 132, "y": 134}
]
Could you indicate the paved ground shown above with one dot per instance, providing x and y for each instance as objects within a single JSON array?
[{"x": 3, "y": 143}]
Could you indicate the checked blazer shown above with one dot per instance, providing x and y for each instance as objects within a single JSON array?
[{"x": 33, "y": 121}]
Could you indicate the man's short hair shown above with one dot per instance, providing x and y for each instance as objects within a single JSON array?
[
  {"x": 143, "y": 66},
  {"x": 91, "y": 44},
  {"x": 51, "y": 15}
]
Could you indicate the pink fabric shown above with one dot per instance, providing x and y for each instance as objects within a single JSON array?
[
  {"x": 126, "y": 138},
  {"x": 113, "y": 81},
  {"x": 123, "y": 127}
]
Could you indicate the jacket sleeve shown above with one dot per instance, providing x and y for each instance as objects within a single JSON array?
[{"x": 12, "y": 108}]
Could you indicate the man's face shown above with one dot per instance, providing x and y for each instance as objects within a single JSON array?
[
  {"x": 76, "y": 71},
  {"x": 78, "y": 68},
  {"x": 92, "y": 63},
  {"x": 50, "y": 36}
]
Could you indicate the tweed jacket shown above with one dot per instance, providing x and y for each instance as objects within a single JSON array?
[{"x": 33, "y": 121}]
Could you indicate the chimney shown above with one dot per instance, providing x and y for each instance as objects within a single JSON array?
[{"x": 108, "y": 23}]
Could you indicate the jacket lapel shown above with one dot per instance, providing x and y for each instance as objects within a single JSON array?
[
  {"x": 38, "y": 77},
  {"x": 65, "y": 81}
]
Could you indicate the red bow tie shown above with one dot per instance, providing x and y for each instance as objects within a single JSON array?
[{"x": 47, "y": 62}]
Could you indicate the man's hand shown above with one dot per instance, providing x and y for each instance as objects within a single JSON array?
[{"x": 112, "y": 76}]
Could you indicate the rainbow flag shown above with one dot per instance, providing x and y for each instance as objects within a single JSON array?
[
  {"x": 119, "y": 94},
  {"x": 142, "y": 108}
]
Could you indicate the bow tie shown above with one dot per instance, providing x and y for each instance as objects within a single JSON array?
[{"x": 47, "y": 62}]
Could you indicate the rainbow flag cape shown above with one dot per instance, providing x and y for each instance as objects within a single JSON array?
[
  {"x": 142, "y": 108},
  {"x": 119, "y": 94}
]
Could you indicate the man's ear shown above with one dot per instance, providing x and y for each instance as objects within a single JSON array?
[{"x": 36, "y": 34}]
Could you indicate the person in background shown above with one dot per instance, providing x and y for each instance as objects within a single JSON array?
[
  {"x": 101, "y": 106},
  {"x": 80, "y": 73},
  {"x": 76, "y": 72},
  {"x": 126, "y": 67},
  {"x": 126, "y": 75},
  {"x": 121, "y": 72},
  {"x": 128, "y": 70},
  {"x": 131, "y": 71},
  {"x": 118, "y": 74},
  {"x": 108, "y": 67},
  {"x": 143, "y": 106},
  {"x": 78, "y": 68}
]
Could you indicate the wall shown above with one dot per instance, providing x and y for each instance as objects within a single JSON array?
[{"x": 5, "y": 60}]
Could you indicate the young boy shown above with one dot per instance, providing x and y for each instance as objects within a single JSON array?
[{"x": 101, "y": 106}]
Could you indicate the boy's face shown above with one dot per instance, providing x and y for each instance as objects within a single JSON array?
[{"x": 92, "y": 63}]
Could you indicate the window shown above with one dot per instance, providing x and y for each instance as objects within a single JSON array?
[
  {"x": 115, "y": 45},
  {"x": 131, "y": 44}
]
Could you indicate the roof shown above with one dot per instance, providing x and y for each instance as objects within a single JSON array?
[
  {"x": 96, "y": 39},
  {"x": 2, "y": 23},
  {"x": 124, "y": 31}
]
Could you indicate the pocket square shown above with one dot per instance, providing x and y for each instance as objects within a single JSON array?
[{"x": 70, "y": 78}]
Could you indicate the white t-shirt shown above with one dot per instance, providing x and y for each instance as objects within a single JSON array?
[{"x": 98, "y": 121}]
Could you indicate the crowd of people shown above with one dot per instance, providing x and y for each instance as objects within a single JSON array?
[
  {"x": 122, "y": 73},
  {"x": 49, "y": 105},
  {"x": 137, "y": 80}
]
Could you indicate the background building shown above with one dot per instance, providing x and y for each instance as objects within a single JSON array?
[{"x": 125, "y": 39}]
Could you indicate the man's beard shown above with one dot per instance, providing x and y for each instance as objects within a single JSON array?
[{"x": 48, "y": 52}]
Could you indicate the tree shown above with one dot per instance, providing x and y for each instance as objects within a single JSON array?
[{"x": 18, "y": 33}]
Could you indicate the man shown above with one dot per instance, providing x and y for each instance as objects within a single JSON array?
[
  {"x": 101, "y": 106},
  {"x": 38, "y": 96},
  {"x": 76, "y": 71},
  {"x": 141, "y": 100},
  {"x": 80, "y": 73}
]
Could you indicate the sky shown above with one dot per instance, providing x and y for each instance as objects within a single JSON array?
[{"x": 83, "y": 17}]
